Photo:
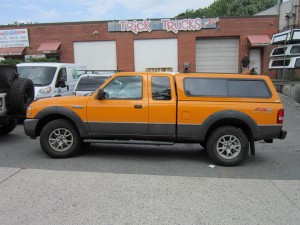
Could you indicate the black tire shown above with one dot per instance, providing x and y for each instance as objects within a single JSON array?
[
  {"x": 8, "y": 74},
  {"x": 20, "y": 95},
  {"x": 5, "y": 129},
  {"x": 228, "y": 146},
  {"x": 60, "y": 139}
]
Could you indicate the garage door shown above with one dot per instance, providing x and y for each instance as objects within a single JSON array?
[
  {"x": 159, "y": 55},
  {"x": 255, "y": 59},
  {"x": 218, "y": 55},
  {"x": 97, "y": 55}
]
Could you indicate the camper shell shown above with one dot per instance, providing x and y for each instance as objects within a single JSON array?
[{"x": 286, "y": 37}]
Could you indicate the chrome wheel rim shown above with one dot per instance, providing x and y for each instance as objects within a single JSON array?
[
  {"x": 229, "y": 147},
  {"x": 61, "y": 140}
]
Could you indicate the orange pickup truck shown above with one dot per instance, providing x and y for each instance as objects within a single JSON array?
[{"x": 225, "y": 113}]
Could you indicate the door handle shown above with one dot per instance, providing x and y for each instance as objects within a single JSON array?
[{"x": 138, "y": 106}]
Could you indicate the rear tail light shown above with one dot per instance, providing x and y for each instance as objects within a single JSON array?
[{"x": 280, "y": 116}]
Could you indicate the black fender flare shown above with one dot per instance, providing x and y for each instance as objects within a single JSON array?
[
  {"x": 228, "y": 114},
  {"x": 59, "y": 110}
]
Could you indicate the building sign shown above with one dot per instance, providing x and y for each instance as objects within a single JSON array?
[
  {"x": 168, "y": 25},
  {"x": 14, "y": 38},
  {"x": 136, "y": 26}
]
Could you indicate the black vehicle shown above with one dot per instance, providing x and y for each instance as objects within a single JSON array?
[{"x": 15, "y": 96}]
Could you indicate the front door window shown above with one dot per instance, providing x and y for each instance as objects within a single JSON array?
[{"x": 124, "y": 88}]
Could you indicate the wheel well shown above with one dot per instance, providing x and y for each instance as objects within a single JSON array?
[
  {"x": 47, "y": 119},
  {"x": 231, "y": 122}
]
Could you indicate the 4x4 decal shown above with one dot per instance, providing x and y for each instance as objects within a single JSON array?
[{"x": 263, "y": 109}]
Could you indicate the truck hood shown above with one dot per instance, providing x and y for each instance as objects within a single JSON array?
[
  {"x": 66, "y": 101},
  {"x": 76, "y": 104}
]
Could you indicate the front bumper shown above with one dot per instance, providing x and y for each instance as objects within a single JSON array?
[{"x": 30, "y": 127}]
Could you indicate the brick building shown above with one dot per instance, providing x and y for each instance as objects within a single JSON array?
[{"x": 208, "y": 45}]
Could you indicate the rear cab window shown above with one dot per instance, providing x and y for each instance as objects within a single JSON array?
[{"x": 222, "y": 87}]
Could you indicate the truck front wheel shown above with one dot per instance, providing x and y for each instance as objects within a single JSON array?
[
  {"x": 60, "y": 139},
  {"x": 228, "y": 146}
]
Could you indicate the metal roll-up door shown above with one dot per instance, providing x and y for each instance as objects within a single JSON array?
[{"x": 219, "y": 55}]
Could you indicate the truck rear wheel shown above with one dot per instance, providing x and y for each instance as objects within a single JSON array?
[
  {"x": 20, "y": 95},
  {"x": 228, "y": 146},
  {"x": 60, "y": 139}
]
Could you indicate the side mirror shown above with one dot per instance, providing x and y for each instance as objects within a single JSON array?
[
  {"x": 61, "y": 83},
  {"x": 100, "y": 94}
]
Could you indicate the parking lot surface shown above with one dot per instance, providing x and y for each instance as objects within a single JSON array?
[{"x": 133, "y": 184}]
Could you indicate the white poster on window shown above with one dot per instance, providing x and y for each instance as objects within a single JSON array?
[{"x": 14, "y": 38}]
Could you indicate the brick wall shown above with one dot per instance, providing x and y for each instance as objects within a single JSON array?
[{"x": 67, "y": 33}]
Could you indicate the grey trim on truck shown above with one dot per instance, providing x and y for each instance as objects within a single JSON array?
[
  {"x": 270, "y": 132},
  {"x": 139, "y": 131},
  {"x": 198, "y": 132},
  {"x": 163, "y": 132},
  {"x": 101, "y": 129},
  {"x": 30, "y": 127},
  {"x": 59, "y": 110}
]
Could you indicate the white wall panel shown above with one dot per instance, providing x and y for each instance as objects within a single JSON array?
[
  {"x": 99, "y": 55},
  {"x": 156, "y": 53}
]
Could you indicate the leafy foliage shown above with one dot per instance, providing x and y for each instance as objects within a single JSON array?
[
  {"x": 10, "y": 61},
  {"x": 42, "y": 60},
  {"x": 230, "y": 8},
  {"x": 19, "y": 23}
]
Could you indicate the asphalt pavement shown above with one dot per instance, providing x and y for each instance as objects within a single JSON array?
[
  {"x": 30, "y": 196},
  {"x": 155, "y": 187}
]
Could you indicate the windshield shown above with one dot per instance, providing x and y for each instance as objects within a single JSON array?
[
  {"x": 40, "y": 75},
  {"x": 90, "y": 83}
]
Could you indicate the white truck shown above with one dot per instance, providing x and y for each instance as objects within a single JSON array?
[{"x": 51, "y": 79}]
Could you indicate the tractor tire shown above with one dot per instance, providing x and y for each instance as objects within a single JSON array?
[
  {"x": 7, "y": 128},
  {"x": 20, "y": 95}
]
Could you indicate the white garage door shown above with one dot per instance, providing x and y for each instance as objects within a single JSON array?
[
  {"x": 255, "y": 59},
  {"x": 218, "y": 55},
  {"x": 157, "y": 55},
  {"x": 99, "y": 55}
]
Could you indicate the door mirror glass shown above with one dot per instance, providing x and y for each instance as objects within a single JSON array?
[{"x": 100, "y": 94}]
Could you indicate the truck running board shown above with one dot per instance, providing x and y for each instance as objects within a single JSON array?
[{"x": 136, "y": 142}]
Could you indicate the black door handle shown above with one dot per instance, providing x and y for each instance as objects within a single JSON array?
[{"x": 138, "y": 106}]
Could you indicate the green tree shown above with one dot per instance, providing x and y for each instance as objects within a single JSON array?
[
  {"x": 248, "y": 7},
  {"x": 10, "y": 61},
  {"x": 230, "y": 8}
]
